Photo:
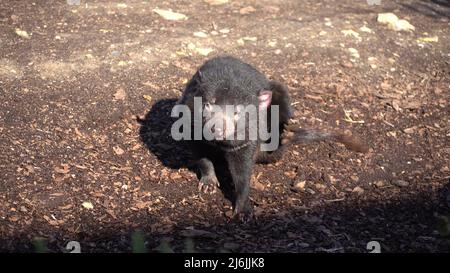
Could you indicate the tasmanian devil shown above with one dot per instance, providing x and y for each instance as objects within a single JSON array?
[{"x": 226, "y": 81}]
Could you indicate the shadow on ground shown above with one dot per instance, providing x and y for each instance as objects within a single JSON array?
[
  {"x": 155, "y": 133},
  {"x": 409, "y": 225},
  {"x": 434, "y": 8}
]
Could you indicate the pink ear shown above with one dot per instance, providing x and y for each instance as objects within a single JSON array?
[{"x": 265, "y": 97}]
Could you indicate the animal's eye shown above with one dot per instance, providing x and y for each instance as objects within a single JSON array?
[
  {"x": 207, "y": 106},
  {"x": 237, "y": 114}
]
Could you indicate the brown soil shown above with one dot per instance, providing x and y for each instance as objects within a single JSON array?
[{"x": 71, "y": 92}]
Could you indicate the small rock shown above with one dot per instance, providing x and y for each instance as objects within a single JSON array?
[
  {"x": 290, "y": 174},
  {"x": 300, "y": 185},
  {"x": 354, "y": 178},
  {"x": 379, "y": 184},
  {"x": 354, "y": 52},
  {"x": 400, "y": 183},
  {"x": 358, "y": 190},
  {"x": 204, "y": 51},
  {"x": 87, "y": 205}
]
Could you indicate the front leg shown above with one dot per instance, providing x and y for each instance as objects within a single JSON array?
[
  {"x": 240, "y": 165},
  {"x": 208, "y": 181}
]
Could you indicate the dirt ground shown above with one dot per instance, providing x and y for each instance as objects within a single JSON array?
[{"x": 85, "y": 153}]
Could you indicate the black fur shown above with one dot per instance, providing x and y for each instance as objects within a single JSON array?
[{"x": 228, "y": 81}]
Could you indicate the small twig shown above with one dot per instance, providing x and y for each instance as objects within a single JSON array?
[
  {"x": 336, "y": 200},
  {"x": 388, "y": 123}
]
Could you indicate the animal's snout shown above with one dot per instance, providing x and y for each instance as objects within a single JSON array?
[
  {"x": 219, "y": 124},
  {"x": 217, "y": 131}
]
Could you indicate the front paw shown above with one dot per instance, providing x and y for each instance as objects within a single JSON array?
[
  {"x": 243, "y": 214},
  {"x": 208, "y": 184}
]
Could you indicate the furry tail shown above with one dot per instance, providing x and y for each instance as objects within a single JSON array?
[{"x": 297, "y": 135}]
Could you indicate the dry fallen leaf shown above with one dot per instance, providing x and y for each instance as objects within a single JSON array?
[
  {"x": 392, "y": 22},
  {"x": 350, "y": 32},
  {"x": 411, "y": 105},
  {"x": 396, "y": 105},
  {"x": 118, "y": 150},
  {"x": 216, "y": 2},
  {"x": 410, "y": 130},
  {"x": 143, "y": 205},
  {"x": 257, "y": 185},
  {"x": 13, "y": 218},
  {"x": 51, "y": 221},
  {"x": 433, "y": 39},
  {"x": 120, "y": 94},
  {"x": 66, "y": 207},
  {"x": 175, "y": 176},
  {"x": 200, "y": 34},
  {"x": 348, "y": 118},
  {"x": 147, "y": 98},
  {"x": 365, "y": 29},
  {"x": 247, "y": 10},
  {"x": 204, "y": 51},
  {"x": 22, "y": 33},
  {"x": 64, "y": 170}
]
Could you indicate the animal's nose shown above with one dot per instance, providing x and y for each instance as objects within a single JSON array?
[{"x": 217, "y": 131}]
